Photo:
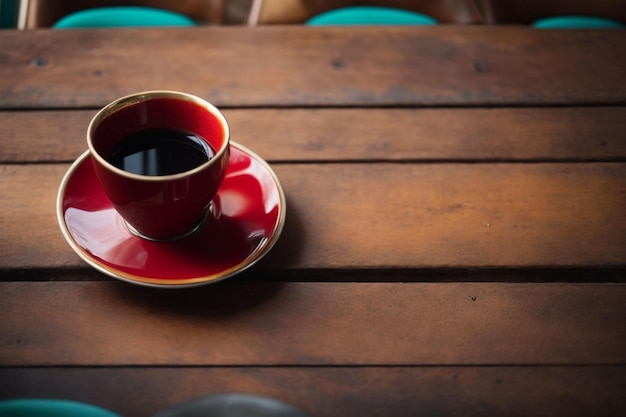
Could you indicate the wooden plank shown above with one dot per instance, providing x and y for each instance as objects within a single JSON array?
[
  {"x": 341, "y": 392},
  {"x": 287, "y": 323},
  {"x": 386, "y": 215},
  {"x": 298, "y": 66},
  {"x": 513, "y": 134}
]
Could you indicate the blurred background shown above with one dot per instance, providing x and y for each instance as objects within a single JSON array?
[
  {"x": 39, "y": 13},
  {"x": 545, "y": 14}
]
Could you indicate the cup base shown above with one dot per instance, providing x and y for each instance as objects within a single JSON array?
[{"x": 194, "y": 229}]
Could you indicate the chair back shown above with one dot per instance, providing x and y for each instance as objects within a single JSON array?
[
  {"x": 265, "y": 12},
  {"x": 526, "y": 12},
  {"x": 44, "y": 13},
  {"x": 8, "y": 14}
]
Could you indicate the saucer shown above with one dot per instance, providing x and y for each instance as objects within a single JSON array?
[{"x": 247, "y": 217}]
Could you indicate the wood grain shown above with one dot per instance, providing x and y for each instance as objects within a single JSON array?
[
  {"x": 289, "y": 66},
  {"x": 280, "y": 324},
  {"x": 401, "y": 151},
  {"x": 341, "y": 391},
  {"x": 387, "y": 215},
  {"x": 509, "y": 134}
]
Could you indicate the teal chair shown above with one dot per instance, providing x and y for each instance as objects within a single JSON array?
[
  {"x": 369, "y": 15},
  {"x": 39, "y": 407},
  {"x": 577, "y": 22},
  {"x": 122, "y": 16},
  {"x": 364, "y": 12},
  {"x": 556, "y": 14},
  {"x": 8, "y": 14}
]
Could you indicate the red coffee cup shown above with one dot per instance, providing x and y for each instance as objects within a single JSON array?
[{"x": 161, "y": 132}]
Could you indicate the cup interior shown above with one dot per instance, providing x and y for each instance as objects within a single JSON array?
[{"x": 157, "y": 110}]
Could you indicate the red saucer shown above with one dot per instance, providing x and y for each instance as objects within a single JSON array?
[{"x": 247, "y": 219}]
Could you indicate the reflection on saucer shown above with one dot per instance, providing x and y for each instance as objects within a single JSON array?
[{"x": 102, "y": 232}]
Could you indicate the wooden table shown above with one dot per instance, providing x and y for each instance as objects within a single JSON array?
[{"x": 455, "y": 240}]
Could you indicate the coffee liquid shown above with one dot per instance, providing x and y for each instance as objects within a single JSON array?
[{"x": 160, "y": 152}]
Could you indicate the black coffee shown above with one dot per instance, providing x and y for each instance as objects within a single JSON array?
[{"x": 160, "y": 152}]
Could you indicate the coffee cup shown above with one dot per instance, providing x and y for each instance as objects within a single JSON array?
[{"x": 160, "y": 157}]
